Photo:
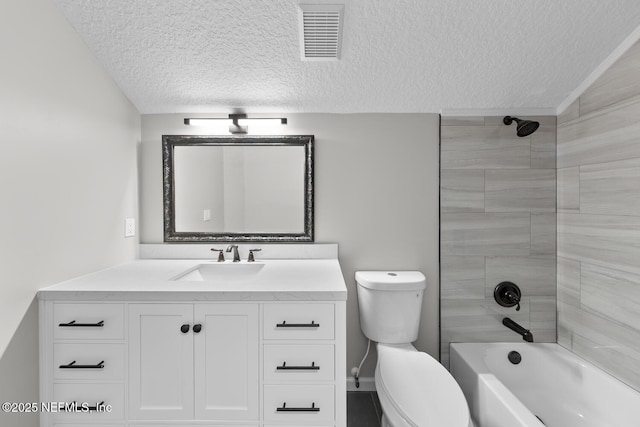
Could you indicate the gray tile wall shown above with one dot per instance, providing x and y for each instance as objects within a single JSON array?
[
  {"x": 498, "y": 222},
  {"x": 599, "y": 222}
]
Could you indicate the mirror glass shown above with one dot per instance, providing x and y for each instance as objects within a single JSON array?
[{"x": 238, "y": 188}]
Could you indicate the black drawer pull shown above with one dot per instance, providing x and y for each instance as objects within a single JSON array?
[
  {"x": 285, "y": 409},
  {"x": 73, "y": 365},
  {"x": 73, "y": 324},
  {"x": 284, "y": 324},
  {"x": 79, "y": 408},
  {"x": 284, "y": 367}
]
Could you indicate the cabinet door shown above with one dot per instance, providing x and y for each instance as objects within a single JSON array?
[
  {"x": 160, "y": 362},
  {"x": 226, "y": 362}
]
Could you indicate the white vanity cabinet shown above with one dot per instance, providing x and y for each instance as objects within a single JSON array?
[
  {"x": 143, "y": 348},
  {"x": 180, "y": 364},
  {"x": 82, "y": 362},
  {"x": 299, "y": 363},
  {"x": 193, "y": 361}
]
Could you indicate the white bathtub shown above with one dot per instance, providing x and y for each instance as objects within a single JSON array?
[{"x": 550, "y": 382}]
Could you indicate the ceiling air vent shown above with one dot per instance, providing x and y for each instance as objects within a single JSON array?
[{"x": 321, "y": 31}]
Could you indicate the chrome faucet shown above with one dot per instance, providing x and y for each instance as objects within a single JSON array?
[{"x": 236, "y": 255}]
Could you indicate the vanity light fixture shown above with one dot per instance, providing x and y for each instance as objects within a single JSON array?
[{"x": 239, "y": 122}]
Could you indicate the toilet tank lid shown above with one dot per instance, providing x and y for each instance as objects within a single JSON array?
[{"x": 392, "y": 280}]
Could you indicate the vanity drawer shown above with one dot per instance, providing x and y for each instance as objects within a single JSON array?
[
  {"x": 299, "y": 403},
  {"x": 92, "y": 361},
  {"x": 88, "y": 321},
  {"x": 299, "y": 362},
  {"x": 298, "y": 321},
  {"x": 91, "y": 394}
]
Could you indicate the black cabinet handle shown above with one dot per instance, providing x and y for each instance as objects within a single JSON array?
[
  {"x": 73, "y": 324},
  {"x": 284, "y": 367},
  {"x": 73, "y": 365},
  {"x": 285, "y": 409},
  {"x": 184, "y": 328},
  {"x": 284, "y": 324},
  {"x": 197, "y": 328},
  {"x": 75, "y": 406}
]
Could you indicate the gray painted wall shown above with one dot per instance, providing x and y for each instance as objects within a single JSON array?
[
  {"x": 599, "y": 222},
  {"x": 498, "y": 219},
  {"x": 68, "y": 168},
  {"x": 376, "y": 194}
]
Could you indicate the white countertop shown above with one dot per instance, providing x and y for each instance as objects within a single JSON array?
[{"x": 151, "y": 280}]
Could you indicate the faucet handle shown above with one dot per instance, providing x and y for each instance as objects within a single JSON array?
[
  {"x": 514, "y": 299},
  {"x": 220, "y": 254},
  {"x": 251, "y": 258}
]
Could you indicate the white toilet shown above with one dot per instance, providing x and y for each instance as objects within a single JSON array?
[{"x": 414, "y": 389}]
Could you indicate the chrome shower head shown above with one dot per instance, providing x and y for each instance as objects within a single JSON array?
[{"x": 524, "y": 128}]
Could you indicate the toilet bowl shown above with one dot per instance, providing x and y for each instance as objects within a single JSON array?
[{"x": 414, "y": 389}]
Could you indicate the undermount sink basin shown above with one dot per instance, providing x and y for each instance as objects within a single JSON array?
[{"x": 221, "y": 272}]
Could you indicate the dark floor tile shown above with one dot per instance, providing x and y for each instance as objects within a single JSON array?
[
  {"x": 376, "y": 404},
  {"x": 362, "y": 410}
]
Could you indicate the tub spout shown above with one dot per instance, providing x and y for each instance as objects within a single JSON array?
[{"x": 526, "y": 334}]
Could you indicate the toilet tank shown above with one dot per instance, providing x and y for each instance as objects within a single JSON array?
[{"x": 390, "y": 303}]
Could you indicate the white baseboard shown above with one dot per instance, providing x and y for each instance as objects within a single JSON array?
[{"x": 366, "y": 384}]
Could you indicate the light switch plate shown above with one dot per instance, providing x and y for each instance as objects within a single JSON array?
[{"x": 129, "y": 227}]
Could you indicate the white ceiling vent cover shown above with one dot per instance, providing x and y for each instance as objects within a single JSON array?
[{"x": 321, "y": 31}]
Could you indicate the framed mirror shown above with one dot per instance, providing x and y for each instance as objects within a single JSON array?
[{"x": 238, "y": 188}]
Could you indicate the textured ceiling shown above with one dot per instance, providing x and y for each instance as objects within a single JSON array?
[{"x": 172, "y": 56}]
